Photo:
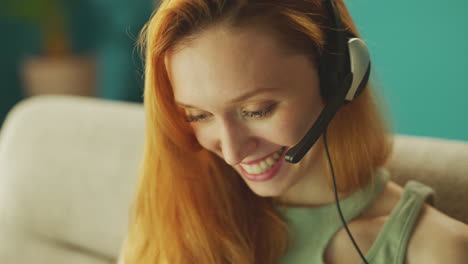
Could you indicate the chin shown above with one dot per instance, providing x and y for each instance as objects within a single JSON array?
[{"x": 266, "y": 191}]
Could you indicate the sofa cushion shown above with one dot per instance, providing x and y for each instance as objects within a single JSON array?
[{"x": 68, "y": 167}]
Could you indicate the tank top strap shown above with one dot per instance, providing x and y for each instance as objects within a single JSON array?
[
  {"x": 391, "y": 243},
  {"x": 311, "y": 228}
]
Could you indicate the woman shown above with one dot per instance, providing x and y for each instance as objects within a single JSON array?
[{"x": 230, "y": 87}]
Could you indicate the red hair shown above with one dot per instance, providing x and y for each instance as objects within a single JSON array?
[{"x": 192, "y": 207}]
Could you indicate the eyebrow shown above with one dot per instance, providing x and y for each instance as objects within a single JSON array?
[{"x": 238, "y": 99}]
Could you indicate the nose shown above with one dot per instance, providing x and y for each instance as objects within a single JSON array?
[{"x": 235, "y": 141}]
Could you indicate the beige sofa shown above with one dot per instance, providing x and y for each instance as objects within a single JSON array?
[{"x": 68, "y": 166}]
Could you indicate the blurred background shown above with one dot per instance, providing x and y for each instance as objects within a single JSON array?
[
  {"x": 86, "y": 47},
  {"x": 83, "y": 47},
  {"x": 419, "y": 50}
]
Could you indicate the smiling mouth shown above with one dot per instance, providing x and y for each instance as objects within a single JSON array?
[
  {"x": 280, "y": 151},
  {"x": 263, "y": 165}
]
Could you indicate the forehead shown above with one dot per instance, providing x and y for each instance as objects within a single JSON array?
[{"x": 220, "y": 64}]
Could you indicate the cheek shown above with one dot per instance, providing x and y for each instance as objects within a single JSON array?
[
  {"x": 202, "y": 137},
  {"x": 288, "y": 131},
  {"x": 294, "y": 127}
]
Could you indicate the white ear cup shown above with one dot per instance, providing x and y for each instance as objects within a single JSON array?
[{"x": 360, "y": 62}]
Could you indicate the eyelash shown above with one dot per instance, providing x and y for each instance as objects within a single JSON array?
[{"x": 254, "y": 114}]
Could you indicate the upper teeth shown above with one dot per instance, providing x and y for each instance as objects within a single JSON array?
[{"x": 264, "y": 165}]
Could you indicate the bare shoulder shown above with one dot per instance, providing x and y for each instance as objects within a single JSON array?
[{"x": 438, "y": 238}]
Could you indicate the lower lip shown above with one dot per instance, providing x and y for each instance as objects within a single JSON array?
[{"x": 267, "y": 174}]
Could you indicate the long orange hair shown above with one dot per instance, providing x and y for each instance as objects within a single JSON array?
[{"x": 190, "y": 206}]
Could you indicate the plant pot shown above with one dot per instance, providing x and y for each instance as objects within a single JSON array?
[{"x": 64, "y": 75}]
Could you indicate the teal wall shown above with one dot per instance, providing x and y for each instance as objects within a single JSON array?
[{"x": 420, "y": 53}]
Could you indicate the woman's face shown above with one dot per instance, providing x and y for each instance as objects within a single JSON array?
[{"x": 248, "y": 98}]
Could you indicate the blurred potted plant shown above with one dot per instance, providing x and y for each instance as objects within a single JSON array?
[{"x": 57, "y": 70}]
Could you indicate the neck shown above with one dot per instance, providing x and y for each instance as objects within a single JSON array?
[{"x": 312, "y": 190}]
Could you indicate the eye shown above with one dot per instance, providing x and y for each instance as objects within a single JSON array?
[
  {"x": 259, "y": 114},
  {"x": 246, "y": 114},
  {"x": 196, "y": 118}
]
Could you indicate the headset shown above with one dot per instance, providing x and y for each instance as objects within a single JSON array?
[{"x": 344, "y": 69}]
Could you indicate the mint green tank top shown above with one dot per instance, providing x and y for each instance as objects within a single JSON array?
[{"x": 313, "y": 228}]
